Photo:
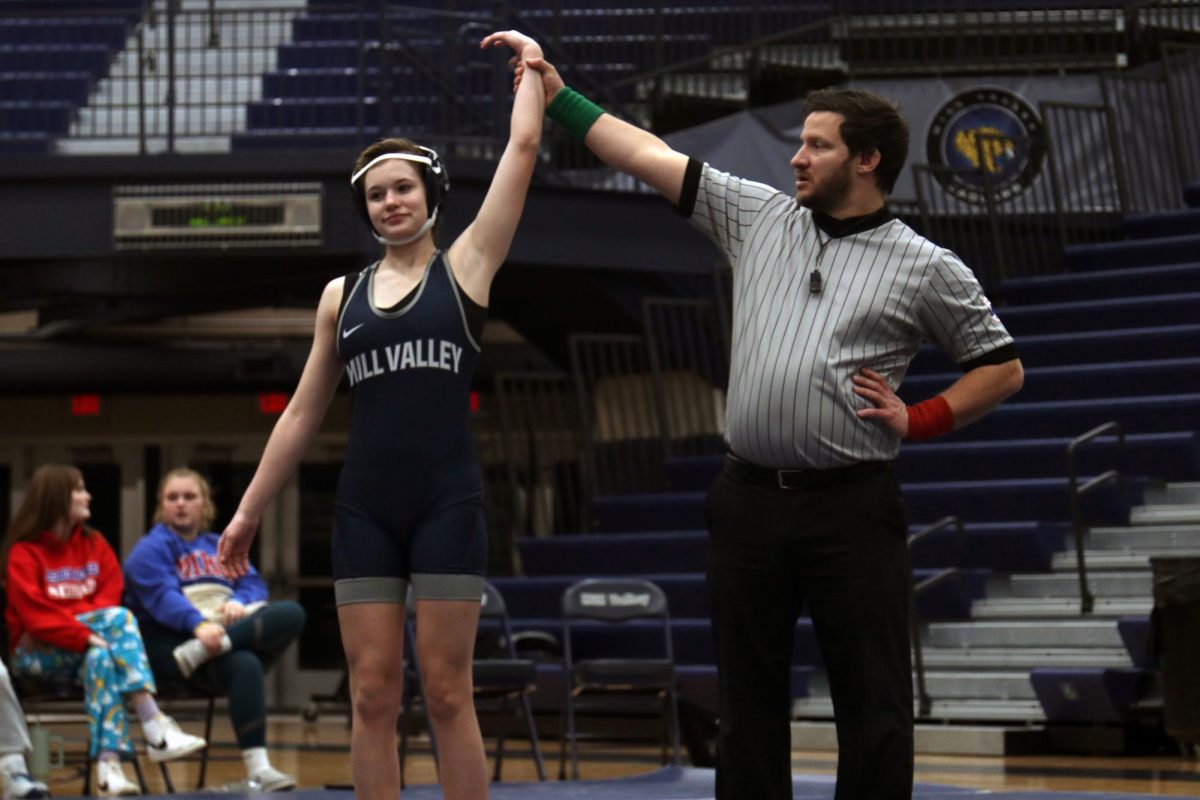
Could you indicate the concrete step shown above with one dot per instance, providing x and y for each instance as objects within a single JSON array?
[
  {"x": 126, "y": 145},
  {"x": 822, "y": 56},
  {"x": 188, "y": 120},
  {"x": 1109, "y": 560},
  {"x": 974, "y": 710},
  {"x": 1058, "y": 607},
  {"x": 1000, "y": 685},
  {"x": 202, "y": 5},
  {"x": 1183, "y": 493},
  {"x": 707, "y": 85},
  {"x": 1146, "y": 537},
  {"x": 1174, "y": 514},
  {"x": 929, "y": 739},
  {"x": 189, "y": 90},
  {"x": 1032, "y": 634},
  {"x": 991, "y": 659},
  {"x": 1127, "y": 583},
  {"x": 215, "y": 61}
]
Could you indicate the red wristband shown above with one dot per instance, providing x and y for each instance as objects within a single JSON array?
[{"x": 929, "y": 418}]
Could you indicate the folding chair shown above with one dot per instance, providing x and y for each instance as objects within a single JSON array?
[
  {"x": 641, "y": 667},
  {"x": 504, "y": 679}
]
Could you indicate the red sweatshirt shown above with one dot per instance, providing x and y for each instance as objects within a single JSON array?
[{"x": 50, "y": 581}]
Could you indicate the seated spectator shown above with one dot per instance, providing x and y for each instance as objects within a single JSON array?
[
  {"x": 14, "y": 744},
  {"x": 199, "y": 626},
  {"x": 65, "y": 619}
]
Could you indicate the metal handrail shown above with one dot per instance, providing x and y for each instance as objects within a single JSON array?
[
  {"x": 925, "y": 701},
  {"x": 1087, "y": 600}
]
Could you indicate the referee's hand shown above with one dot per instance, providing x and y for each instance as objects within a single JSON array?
[{"x": 886, "y": 407}]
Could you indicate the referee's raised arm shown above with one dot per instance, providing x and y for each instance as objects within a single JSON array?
[{"x": 622, "y": 146}]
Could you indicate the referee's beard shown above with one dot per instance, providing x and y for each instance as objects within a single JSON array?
[{"x": 829, "y": 197}]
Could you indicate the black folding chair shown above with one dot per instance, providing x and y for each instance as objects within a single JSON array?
[
  {"x": 501, "y": 679},
  {"x": 639, "y": 666}
]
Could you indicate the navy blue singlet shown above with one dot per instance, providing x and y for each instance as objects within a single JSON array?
[{"x": 410, "y": 497}]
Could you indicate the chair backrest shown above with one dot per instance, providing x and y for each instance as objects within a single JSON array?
[
  {"x": 491, "y": 608},
  {"x": 614, "y": 599},
  {"x": 494, "y": 613},
  {"x": 492, "y": 603}
]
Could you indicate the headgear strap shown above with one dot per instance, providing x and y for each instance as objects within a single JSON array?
[{"x": 437, "y": 184}]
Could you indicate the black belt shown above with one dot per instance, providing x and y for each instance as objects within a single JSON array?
[{"x": 801, "y": 478}]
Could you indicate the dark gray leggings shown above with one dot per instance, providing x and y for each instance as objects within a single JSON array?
[{"x": 258, "y": 642}]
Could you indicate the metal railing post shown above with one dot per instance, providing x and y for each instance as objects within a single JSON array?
[
  {"x": 1087, "y": 600},
  {"x": 925, "y": 702}
]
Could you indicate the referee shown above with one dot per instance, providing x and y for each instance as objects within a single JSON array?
[{"x": 832, "y": 298}]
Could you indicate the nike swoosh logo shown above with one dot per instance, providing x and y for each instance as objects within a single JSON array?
[{"x": 346, "y": 333}]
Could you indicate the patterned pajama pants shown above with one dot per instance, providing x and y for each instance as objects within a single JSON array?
[{"x": 106, "y": 673}]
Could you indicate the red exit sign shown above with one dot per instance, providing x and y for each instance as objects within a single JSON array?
[
  {"x": 85, "y": 405},
  {"x": 272, "y": 403}
]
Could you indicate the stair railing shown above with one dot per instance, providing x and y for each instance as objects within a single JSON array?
[
  {"x": 1077, "y": 491},
  {"x": 916, "y": 589}
]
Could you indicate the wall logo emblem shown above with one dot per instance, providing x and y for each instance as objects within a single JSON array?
[{"x": 986, "y": 137}]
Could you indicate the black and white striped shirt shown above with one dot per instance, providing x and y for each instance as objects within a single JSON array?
[{"x": 885, "y": 290}]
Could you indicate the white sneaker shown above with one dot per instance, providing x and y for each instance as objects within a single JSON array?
[
  {"x": 172, "y": 743},
  {"x": 189, "y": 656},
  {"x": 272, "y": 780},
  {"x": 19, "y": 786},
  {"x": 111, "y": 780}
]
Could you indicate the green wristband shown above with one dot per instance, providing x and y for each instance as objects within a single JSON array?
[{"x": 574, "y": 112}]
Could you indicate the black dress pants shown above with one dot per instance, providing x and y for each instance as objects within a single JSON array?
[{"x": 836, "y": 542}]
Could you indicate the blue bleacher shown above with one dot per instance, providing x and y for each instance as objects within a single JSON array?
[
  {"x": 1163, "y": 223},
  {"x": 1087, "y": 694},
  {"x": 49, "y": 63},
  {"x": 344, "y": 82},
  {"x": 1161, "y": 280},
  {"x": 1081, "y": 381},
  {"x": 317, "y": 25},
  {"x": 308, "y": 138},
  {"x": 1087, "y": 347},
  {"x": 1077, "y": 316},
  {"x": 339, "y": 54},
  {"x": 639, "y": 553},
  {"x": 993, "y": 501},
  {"x": 1135, "y": 253},
  {"x": 72, "y": 87},
  {"x": 23, "y": 116},
  {"x": 410, "y": 112},
  {"x": 28, "y": 144},
  {"x": 1174, "y": 455},
  {"x": 106, "y": 31},
  {"x": 126, "y": 8},
  {"x": 42, "y": 58},
  {"x": 1047, "y": 419},
  {"x": 1024, "y": 546}
]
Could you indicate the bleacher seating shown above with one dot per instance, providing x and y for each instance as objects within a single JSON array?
[{"x": 49, "y": 63}]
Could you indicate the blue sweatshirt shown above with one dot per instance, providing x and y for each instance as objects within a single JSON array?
[{"x": 163, "y": 566}]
